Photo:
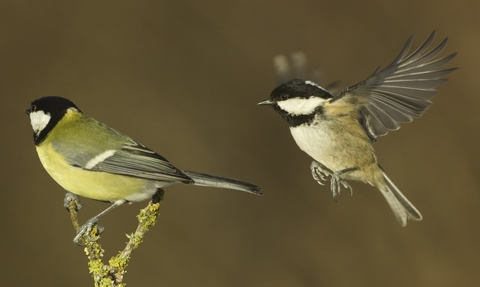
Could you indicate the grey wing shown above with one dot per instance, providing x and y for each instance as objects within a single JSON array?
[
  {"x": 139, "y": 161},
  {"x": 132, "y": 159},
  {"x": 401, "y": 91}
]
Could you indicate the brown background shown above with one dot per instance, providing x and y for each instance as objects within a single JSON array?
[{"x": 184, "y": 77}]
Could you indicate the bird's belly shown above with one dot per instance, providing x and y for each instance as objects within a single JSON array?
[
  {"x": 317, "y": 143},
  {"x": 92, "y": 184},
  {"x": 337, "y": 150}
]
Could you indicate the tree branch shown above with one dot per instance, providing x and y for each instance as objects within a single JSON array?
[{"x": 111, "y": 274}]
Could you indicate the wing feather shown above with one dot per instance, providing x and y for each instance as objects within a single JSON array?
[
  {"x": 401, "y": 91},
  {"x": 139, "y": 161}
]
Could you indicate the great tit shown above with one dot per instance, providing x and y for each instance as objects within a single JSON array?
[
  {"x": 90, "y": 159},
  {"x": 338, "y": 131}
]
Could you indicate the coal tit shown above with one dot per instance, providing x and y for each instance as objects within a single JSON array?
[{"x": 338, "y": 131}]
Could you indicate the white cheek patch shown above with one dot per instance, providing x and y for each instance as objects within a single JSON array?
[
  {"x": 39, "y": 120},
  {"x": 99, "y": 158},
  {"x": 297, "y": 106}
]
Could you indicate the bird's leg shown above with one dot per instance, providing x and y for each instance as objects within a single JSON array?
[
  {"x": 336, "y": 181},
  {"x": 158, "y": 196},
  {"x": 72, "y": 197},
  {"x": 319, "y": 172},
  {"x": 87, "y": 227}
]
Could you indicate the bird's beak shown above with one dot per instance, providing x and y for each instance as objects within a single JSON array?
[
  {"x": 266, "y": 102},
  {"x": 28, "y": 111}
]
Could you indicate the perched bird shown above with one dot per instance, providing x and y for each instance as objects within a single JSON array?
[
  {"x": 338, "y": 131},
  {"x": 90, "y": 159}
]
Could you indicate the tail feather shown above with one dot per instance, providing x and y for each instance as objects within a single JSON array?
[
  {"x": 402, "y": 208},
  {"x": 203, "y": 179}
]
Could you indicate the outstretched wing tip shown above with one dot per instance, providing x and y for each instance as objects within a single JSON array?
[{"x": 402, "y": 90}]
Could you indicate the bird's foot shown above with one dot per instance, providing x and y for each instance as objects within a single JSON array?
[
  {"x": 335, "y": 183},
  {"x": 84, "y": 232},
  {"x": 72, "y": 197},
  {"x": 158, "y": 196},
  {"x": 319, "y": 172}
]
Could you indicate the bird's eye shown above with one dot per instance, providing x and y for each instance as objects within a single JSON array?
[
  {"x": 34, "y": 108},
  {"x": 284, "y": 96}
]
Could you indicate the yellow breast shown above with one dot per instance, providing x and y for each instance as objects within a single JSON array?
[{"x": 92, "y": 184}]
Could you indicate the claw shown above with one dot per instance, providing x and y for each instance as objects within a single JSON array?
[
  {"x": 72, "y": 197},
  {"x": 318, "y": 176},
  {"x": 88, "y": 226},
  {"x": 335, "y": 184},
  {"x": 86, "y": 229},
  {"x": 319, "y": 172},
  {"x": 347, "y": 185}
]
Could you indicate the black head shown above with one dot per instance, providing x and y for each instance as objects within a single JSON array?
[
  {"x": 51, "y": 105},
  {"x": 45, "y": 113},
  {"x": 297, "y": 101}
]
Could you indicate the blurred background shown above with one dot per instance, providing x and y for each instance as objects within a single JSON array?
[{"x": 183, "y": 78}]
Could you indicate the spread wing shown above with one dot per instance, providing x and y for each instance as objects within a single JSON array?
[{"x": 401, "y": 91}]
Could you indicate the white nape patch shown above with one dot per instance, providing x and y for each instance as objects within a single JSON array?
[
  {"x": 39, "y": 120},
  {"x": 315, "y": 85},
  {"x": 99, "y": 158},
  {"x": 299, "y": 106}
]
